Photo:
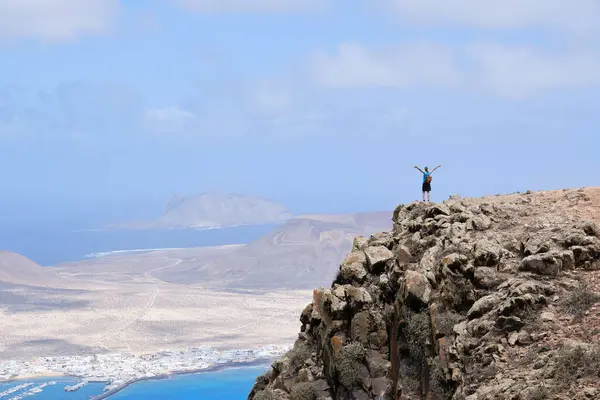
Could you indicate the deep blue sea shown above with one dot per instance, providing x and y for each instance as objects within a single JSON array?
[
  {"x": 51, "y": 245},
  {"x": 227, "y": 384}
]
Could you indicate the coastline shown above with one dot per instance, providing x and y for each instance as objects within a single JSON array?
[{"x": 213, "y": 368}]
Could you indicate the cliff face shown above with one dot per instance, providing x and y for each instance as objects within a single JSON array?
[{"x": 473, "y": 299}]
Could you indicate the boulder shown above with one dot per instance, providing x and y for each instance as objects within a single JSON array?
[
  {"x": 352, "y": 268},
  {"x": 429, "y": 259},
  {"x": 416, "y": 288},
  {"x": 384, "y": 239},
  {"x": 437, "y": 209},
  {"x": 509, "y": 323},
  {"x": 487, "y": 254},
  {"x": 403, "y": 255},
  {"x": 360, "y": 327},
  {"x": 479, "y": 223},
  {"x": 377, "y": 257},
  {"x": 380, "y": 386},
  {"x": 568, "y": 259},
  {"x": 483, "y": 305},
  {"x": 377, "y": 364},
  {"x": 547, "y": 316},
  {"x": 536, "y": 245},
  {"x": 486, "y": 277},
  {"x": 357, "y": 298},
  {"x": 360, "y": 243},
  {"x": 524, "y": 338},
  {"x": 590, "y": 228},
  {"x": 543, "y": 264},
  {"x": 306, "y": 313},
  {"x": 333, "y": 305},
  {"x": 454, "y": 261}
]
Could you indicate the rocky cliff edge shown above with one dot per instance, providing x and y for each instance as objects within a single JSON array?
[{"x": 473, "y": 299}]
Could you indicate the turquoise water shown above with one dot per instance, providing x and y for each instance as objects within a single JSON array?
[{"x": 227, "y": 384}]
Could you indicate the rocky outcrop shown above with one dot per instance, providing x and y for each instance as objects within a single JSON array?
[{"x": 465, "y": 300}]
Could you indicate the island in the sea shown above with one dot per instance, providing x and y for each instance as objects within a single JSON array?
[{"x": 212, "y": 210}]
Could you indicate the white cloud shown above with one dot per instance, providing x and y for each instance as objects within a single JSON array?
[
  {"x": 55, "y": 20},
  {"x": 579, "y": 16},
  {"x": 241, "y": 6},
  {"x": 503, "y": 70},
  {"x": 524, "y": 71},
  {"x": 413, "y": 64},
  {"x": 170, "y": 115}
]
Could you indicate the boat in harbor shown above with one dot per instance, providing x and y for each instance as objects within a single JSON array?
[{"x": 76, "y": 386}]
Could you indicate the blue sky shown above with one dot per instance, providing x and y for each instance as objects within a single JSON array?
[{"x": 108, "y": 107}]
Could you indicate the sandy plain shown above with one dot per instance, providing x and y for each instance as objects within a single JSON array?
[{"x": 115, "y": 304}]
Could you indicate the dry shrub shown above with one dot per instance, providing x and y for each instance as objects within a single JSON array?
[
  {"x": 299, "y": 354},
  {"x": 445, "y": 322},
  {"x": 538, "y": 393},
  {"x": 574, "y": 362},
  {"x": 458, "y": 293},
  {"x": 532, "y": 321},
  {"x": 418, "y": 332},
  {"x": 303, "y": 391},
  {"x": 264, "y": 395},
  {"x": 348, "y": 363},
  {"x": 437, "y": 381},
  {"x": 396, "y": 212},
  {"x": 410, "y": 379},
  {"x": 579, "y": 300}
]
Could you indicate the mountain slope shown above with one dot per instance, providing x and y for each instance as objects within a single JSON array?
[
  {"x": 17, "y": 269},
  {"x": 210, "y": 210},
  {"x": 301, "y": 253},
  {"x": 475, "y": 299}
]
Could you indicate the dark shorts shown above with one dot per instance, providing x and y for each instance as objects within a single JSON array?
[{"x": 426, "y": 187}]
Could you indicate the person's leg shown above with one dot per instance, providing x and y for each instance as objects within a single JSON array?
[
  {"x": 429, "y": 196},
  {"x": 424, "y": 195}
]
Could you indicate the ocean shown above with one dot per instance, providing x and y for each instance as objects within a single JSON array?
[
  {"x": 226, "y": 384},
  {"x": 49, "y": 246}
]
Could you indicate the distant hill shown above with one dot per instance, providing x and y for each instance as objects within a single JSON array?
[
  {"x": 213, "y": 210},
  {"x": 303, "y": 252},
  {"x": 19, "y": 270}
]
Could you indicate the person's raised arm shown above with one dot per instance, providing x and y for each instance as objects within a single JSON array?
[
  {"x": 435, "y": 168},
  {"x": 419, "y": 169}
]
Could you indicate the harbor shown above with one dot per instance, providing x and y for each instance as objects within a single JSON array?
[
  {"x": 118, "y": 371},
  {"x": 30, "y": 392}
]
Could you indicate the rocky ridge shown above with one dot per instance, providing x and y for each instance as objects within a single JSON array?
[{"x": 470, "y": 299}]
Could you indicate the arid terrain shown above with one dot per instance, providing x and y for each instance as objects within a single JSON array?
[
  {"x": 495, "y": 298},
  {"x": 226, "y": 297}
]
